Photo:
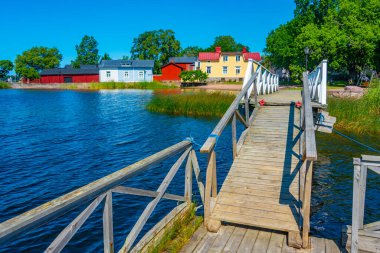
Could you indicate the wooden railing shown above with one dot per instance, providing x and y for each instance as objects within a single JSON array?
[
  {"x": 308, "y": 150},
  {"x": 101, "y": 191},
  {"x": 231, "y": 115},
  {"x": 317, "y": 82},
  {"x": 371, "y": 231}
]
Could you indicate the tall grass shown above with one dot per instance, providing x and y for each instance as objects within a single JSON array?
[
  {"x": 358, "y": 115},
  {"x": 139, "y": 85},
  {"x": 213, "y": 104},
  {"x": 4, "y": 85}
]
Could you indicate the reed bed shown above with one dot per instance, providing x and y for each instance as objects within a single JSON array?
[
  {"x": 139, "y": 85},
  {"x": 4, "y": 85},
  {"x": 358, "y": 115},
  {"x": 205, "y": 104}
]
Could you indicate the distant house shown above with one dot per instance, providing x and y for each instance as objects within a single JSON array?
[
  {"x": 68, "y": 74},
  {"x": 226, "y": 65},
  {"x": 172, "y": 70},
  {"x": 126, "y": 70}
]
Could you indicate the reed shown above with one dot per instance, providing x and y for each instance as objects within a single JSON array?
[
  {"x": 358, "y": 115},
  {"x": 139, "y": 85},
  {"x": 4, "y": 85},
  {"x": 213, "y": 104}
]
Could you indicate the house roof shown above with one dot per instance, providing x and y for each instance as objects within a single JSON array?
[
  {"x": 126, "y": 63},
  {"x": 171, "y": 63},
  {"x": 253, "y": 56},
  {"x": 68, "y": 70},
  {"x": 208, "y": 56},
  {"x": 183, "y": 59}
]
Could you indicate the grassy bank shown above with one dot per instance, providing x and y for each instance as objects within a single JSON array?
[
  {"x": 4, "y": 85},
  {"x": 192, "y": 104},
  {"x": 121, "y": 85},
  {"x": 358, "y": 115},
  {"x": 179, "y": 233}
]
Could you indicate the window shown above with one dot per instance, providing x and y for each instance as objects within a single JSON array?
[
  {"x": 225, "y": 57},
  {"x": 237, "y": 58},
  {"x": 237, "y": 70},
  {"x": 141, "y": 74},
  {"x": 225, "y": 70},
  {"x": 126, "y": 74},
  {"x": 108, "y": 74},
  {"x": 208, "y": 70}
]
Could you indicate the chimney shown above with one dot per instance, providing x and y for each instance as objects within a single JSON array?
[
  {"x": 244, "y": 50},
  {"x": 218, "y": 49}
]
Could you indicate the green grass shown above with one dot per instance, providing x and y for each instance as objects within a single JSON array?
[
  {"x": 179, "y": 233},
  {"x": 4, "y": 85},
  {"x": 358, "y": 115},
  {"x": 120, "y": 85},
  {"x": 209, "y": 104}
]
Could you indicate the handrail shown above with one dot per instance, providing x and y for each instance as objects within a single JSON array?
[
  {"x": 317, "y": 80},
  {"x": 101, "y": 190},
  {"x": 361, "y": 166}
]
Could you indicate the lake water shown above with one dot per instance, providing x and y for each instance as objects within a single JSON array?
[{"x": 53, "y": 142}]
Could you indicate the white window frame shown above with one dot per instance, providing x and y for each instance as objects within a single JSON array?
[
  {"x": 225, "y": 70},
  {"x": 237, "y": 68},
  {"x": 126, "y": 74},
  {"x": 208, "y": 69},
  {"x": 108, "y": 74},
  {"x": 225, "y": 58},
  {"x": 237, "y": 58},
  {"x": 141, "y": 74}
]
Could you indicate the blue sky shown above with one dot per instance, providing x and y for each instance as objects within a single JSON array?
[{"x": 114, "y": 23}]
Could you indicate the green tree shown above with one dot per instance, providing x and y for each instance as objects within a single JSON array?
[
  {"x": 32, "y": 61},
  {"x": 5, "y": 67},
  {"x": 191, "y": 51},
  {"x": 87, "y": 52},
  {"x": 125, "y": 57},
  {"x": 156, "y": 45},
  {"x": 106, "y": 56},
  {"x": 227, "y": 43}
]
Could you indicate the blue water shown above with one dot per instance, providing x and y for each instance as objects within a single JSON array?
[{"x": 53, "y": 142}]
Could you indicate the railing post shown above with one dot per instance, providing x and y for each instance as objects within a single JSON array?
[
  {"x": 108, "y": 224},
  {"x": 323, "y": 94},
  {"x": 355, "y": 207},
  {"x": 189, "y": 180},
  {"x": 306, "y": 203},
  {"x": 255, "y": 90},
  {"x": 233, "y": 130},
  {"x": 209, "y": 184}
]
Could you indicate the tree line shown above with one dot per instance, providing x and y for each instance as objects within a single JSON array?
[
  {"x": 346, "y": 32},
  {"x": 157, "y": 45}
]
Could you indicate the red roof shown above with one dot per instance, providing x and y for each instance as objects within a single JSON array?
[
  {"x": 208, "y": 56},
  {"x": 254, "y": 56}
]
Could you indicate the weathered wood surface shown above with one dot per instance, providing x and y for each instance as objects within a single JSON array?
[
  {"x": 262, "y": 186},
  {"x": 243, "y": 240}
]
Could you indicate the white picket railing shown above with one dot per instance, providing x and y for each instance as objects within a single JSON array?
[
  {"x": 317, "y": 80},
  {"x": 266, "y": 81}
]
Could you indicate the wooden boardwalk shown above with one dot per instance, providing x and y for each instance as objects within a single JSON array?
[
  {"x": 243, "y": 240},
  {"x": 262, "y": 186}
]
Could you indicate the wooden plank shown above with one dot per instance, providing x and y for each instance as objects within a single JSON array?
[
  {"x": 372, "y": 226},
  {"x": 108, "y": 225},
  {"x": 240, "y": 118},
  {"x": 145, "y": 193},
  {"x": 198, "y": 175},
  {"x": 262, "y": 242},
  {"x": 150, "y": 207},
  {"x": 370, "y": 158},
  {"x": 318, "y": 245},
  {"x": 194, "y": 240},
  {"x": 241, "y": 140},
  {"x": 248, "y": 241},
  {"x": 52, "y": 209},
  {"x": 262, "y": 192},
  {"x": 234, "y": 240},
  {"x": 188, "y": 180},
  {"x": 306, "y": 204},
  {"x": 332, "y": 246},
  {"x": 208, "y": 186},
  {"x": 356, "y": 206},
  {"x": 205, "y": 244},
  {"x": 222, "y": 238},
  {"x": 234, "y": 141},
  {"x": 276, "y": 242},
  {"x": 64, "y": 237},
  {"x": 286, "y": 248}
]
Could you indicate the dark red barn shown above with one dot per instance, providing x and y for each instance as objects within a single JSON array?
[{"x": 68, "y": 74}]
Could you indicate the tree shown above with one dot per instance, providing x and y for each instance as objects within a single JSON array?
[
  {"x": 105, "y": 57},
  {"x": 157, "y": 45},
  {"x": 87, "y": 52},
  {"x": 32, "y": 61},
  {"x": 227, "y": 43},
  {"x": 125, "y": 57},
  {"x": 5, "y": 67},
  {"x": 191, "y": 51}
]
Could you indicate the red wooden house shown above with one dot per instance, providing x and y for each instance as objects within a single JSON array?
[{"x": 172, "y": 70}]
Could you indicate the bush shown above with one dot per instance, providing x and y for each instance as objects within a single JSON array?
[{"x": 193, "y": 76}]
